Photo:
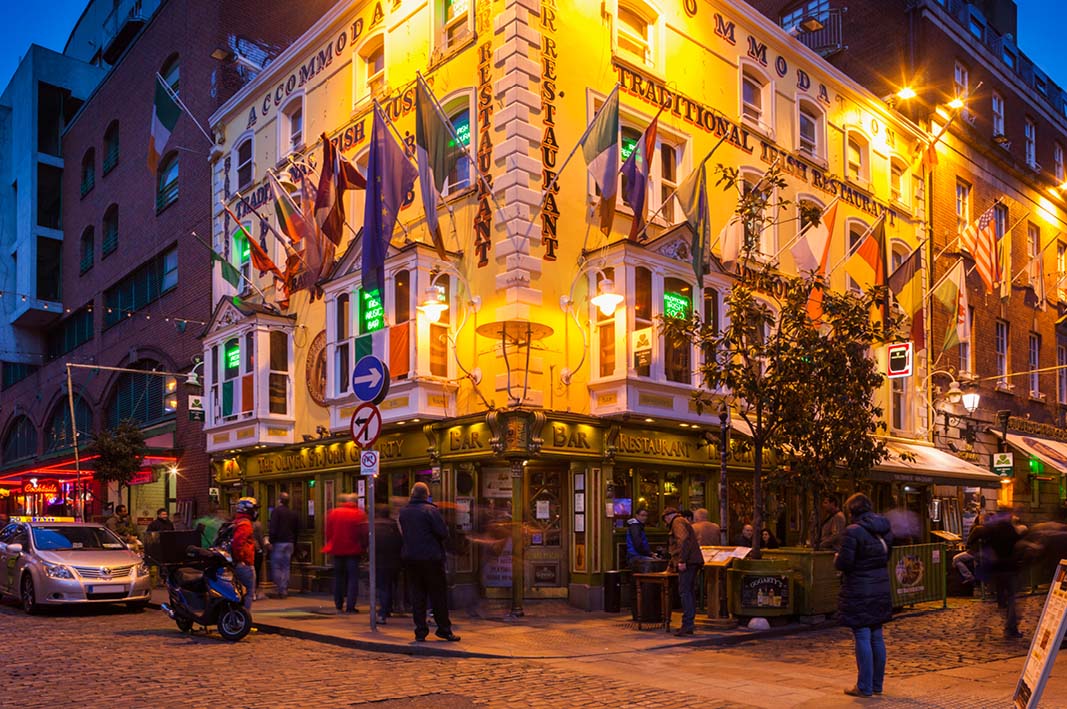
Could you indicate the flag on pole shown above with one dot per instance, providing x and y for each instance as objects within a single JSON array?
[
  {"x": 290, "y": 219},
  {"x": 929, "y": 155},
  {"x": 437, "y": 151},
  {"x": 318, "y": 250},
  {"x": 390, "y": 176},
  {"x": 952, "y": 293},
  {"x": 906, "y": 283},
  {"x": 257, "y": 253},
  {"x": 230, "y": 274},
  {"x": 165, "y": 113},
  {"x": 1037, "y": 280},
  {"x": 600, "y": 146},
  {"x": 867, "y": 264},
  {"x": 979, "y": 239},
  {"x": 337, "y": 176},
  {"x": 812, "y": 249},
  {"x": 635, "y": 174},
  {"x": 693, "y": 197},
  {"x": 731, "y": 238}
]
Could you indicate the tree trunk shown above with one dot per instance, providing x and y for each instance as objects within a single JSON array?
[{"x": 757, "y": 498}]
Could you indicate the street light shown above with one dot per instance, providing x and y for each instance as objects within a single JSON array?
[{"x": 606, "y": 300}]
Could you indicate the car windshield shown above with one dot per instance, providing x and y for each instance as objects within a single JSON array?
[{"x": 75, "y": 538}]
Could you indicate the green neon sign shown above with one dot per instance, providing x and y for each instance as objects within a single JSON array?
[
  {"x": 675, "y": 305},
  {"x": 371, "y": 311},
  {"x": 462, "y": 126},
  {"x": 628, "y": 145},
  {"x": 233, "y": 355}
]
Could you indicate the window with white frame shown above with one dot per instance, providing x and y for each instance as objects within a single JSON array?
[
  {"x": 455, "y": 22},
  {"x": 899, "y": 386},
  {"x": 1057, "y": 163},
  {"x": 1033, "y": 241},
  {"x": 342, "y": 338},
  {"x": 369, "y": 65},
  {"x": 677, "y": 351},
  {"x": 244, "y": 163},
  {"x": 963, "y": 204},
  {"x": 1000, "y": 352},
  {"x": 643, "y": 316},
  {"x": 663, "y": 171},
  {"x": 1034, "y": 362},
  {"x": 759, "y": 233},
  {"x": 439, "y": 332},
  {"x": 278, "y": 381},
  {"x": 243, "y": 253},
  {"x": 811, "y": 130},
  {"x": 293, "y": 126},
  {"x": 458, "y": 111},
  {"x": 401, "y": 332},
  {"x": 712, "y": 320},
  {"x": 960, "y": 82},
  {"x": 856, "y": 157},
  {"x": 233, "y": 390},
  {"x": 1030, "y": 133},
  {"x": 1000, "y": 220},
  {"x": 1061, "y": 271},
  {"x": 755, "y": 98},
  {"x": 898, "y": 181},
  {"x": 1061, "y": 374},
  {"x": 998, "y": 114},
  {"x": 635, "y": 32},
  {"x": 966, "y": 365},
  {"x": 857, "y": 230}
]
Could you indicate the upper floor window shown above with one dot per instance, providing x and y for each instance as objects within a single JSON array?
[
  {"x": 342, "y": 334},
  {"x": 1008, "y": 55},
  {"x": 111, "y": 231},
  {"x": 455, "y": 22},
  {"x": 1057, "y": 162},
  {"x": 1030, "y": 133},
  {"x": 857, "y": 157},
  {"x": 88, "y": 250},
  {"x": 1061, "y": 271},
  {"x": 370, "y": 68},
  {"x": 1041, "y": 85},
  {"x": 677, "y": 352},
  {"x": 634, "y": 31},
  {"x": 998, "y": 114},
  {"x": 1061, "y": 374},
  {"x": 977, "y": 28},
  {"x": 966, "y": 363},
  {"x": 607, "y": 353},
  {"x": 960, "y": 82},
  {"x": 147, "y": 284},
  {"x": 815, "y": 9},
  {"x": 811, "y": 130},
  {"x": 1000, "y": 352},
  {"x": 244, "y": 255},
  {"x": 167, "y": 182},
  {"x": 111, "y": 147},
  {"x": 759, "y": 233},
  {"x": 278, "y": 377},
  {"x": 755, "y": 98},
  {"x": 88, "y": 171},
  {"x": 898, "y": 181},
  {"x": 857, "y": 230},
  {"x": 233, "y": 386},
  {"x": 458, "y": 111},
  {"x": 293, "y": 125},
  {"x": 141, "y": 398},
  {"x": 244, "y": 163},
  {"x": 58, "y": 433},
  {"x": 171, "y": 73},
  {"x": 963, "y": 204},
  {"x": 643, "y": 316},
  {"x": 1034, "y": 363},
  {"x": 21, "y": 440}
]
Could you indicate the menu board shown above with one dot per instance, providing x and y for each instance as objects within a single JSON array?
[
  {"x": 722, "y": 556},
  {"x": 1046, "y": 642}
]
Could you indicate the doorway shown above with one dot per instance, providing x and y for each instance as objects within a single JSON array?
[{"x": 545, "y": 550}]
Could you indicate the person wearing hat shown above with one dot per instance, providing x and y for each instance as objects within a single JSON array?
[
  {"x": 423, "y": 533},
  {"x": 686, "y": 560}
]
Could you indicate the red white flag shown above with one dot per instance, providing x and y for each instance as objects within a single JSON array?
[{"x": 980, "y": 241}]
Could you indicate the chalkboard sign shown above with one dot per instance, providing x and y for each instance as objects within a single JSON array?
[{"x": 764, "y": 591}]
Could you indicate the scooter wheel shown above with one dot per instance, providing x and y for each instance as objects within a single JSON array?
[
  {"x": 184, "y": 624},
  {"x": 234, "y": 622}
]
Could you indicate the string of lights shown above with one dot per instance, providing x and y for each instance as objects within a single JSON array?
[{"x": 48, "y": 305}]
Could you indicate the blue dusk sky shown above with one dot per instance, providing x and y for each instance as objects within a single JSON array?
[{"x": 1040, "y": 32}]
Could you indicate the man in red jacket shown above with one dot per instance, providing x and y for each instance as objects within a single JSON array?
[
  {"x": 346, "y": 539},
  {"x": 243, "y": 547}
]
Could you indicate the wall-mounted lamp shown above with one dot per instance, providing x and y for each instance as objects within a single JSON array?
[
  {"x": 606, "y": 300},
  {"x": 434, "y": 303},
  {"x": 906, "y": 93},
  {"x": 955, "y": 394},
  {"x": 956, "y": 104},
  {"x": 812, "y": 24}
]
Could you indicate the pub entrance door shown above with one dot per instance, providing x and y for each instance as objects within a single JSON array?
[{"x": 546, "y": 552}]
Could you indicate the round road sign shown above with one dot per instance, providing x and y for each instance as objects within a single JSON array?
[
  {"x": 366, "y": 425},
  {"x": 370, "y": 379}
]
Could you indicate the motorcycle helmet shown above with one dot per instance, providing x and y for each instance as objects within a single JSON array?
[{"x": 248, "y": 506}]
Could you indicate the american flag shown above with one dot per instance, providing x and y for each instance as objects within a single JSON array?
[{"x": 979, "y": 239}]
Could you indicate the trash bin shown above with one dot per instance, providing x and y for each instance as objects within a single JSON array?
[
  {"x": 651, "y": 610},
  {"x": 613, "y": 591}
]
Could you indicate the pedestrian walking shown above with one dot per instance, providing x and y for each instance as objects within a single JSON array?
[
  {"x": 243, "y": 547},
  {"x": 864, "y": 603},
  {"x": 423, "y": 533},
  {"x": 687, "y": 560},
  {"x": 833, "y": 523},
  {"x": 1001, "y": 535},
  {"x": 262, "y": 548},
  {"x": 283, "y": 531},
  {"x": 387, "y": 548},
  {"x": 346, "y": 540},
  {"x": 709, "y": 534}
]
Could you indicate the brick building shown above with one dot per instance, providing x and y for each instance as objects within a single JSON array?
[
  {"x": 133, "y": 277},
  {"x": 1002, "y": 150}
]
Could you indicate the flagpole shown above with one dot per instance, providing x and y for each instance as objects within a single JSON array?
[
  {"x": 955, "y": 112},
  {"x": 806, "y": 229},
  {"x": 174, "y": 96},
  {"x": 246, "y": 278},
  {"x": 555, "y": 178},
  {"x": 941, "y": 280},
  {"x": 670, "y": 197},
  {"x": 264, "y": 220},
  {"x": 482, "y": 179}
]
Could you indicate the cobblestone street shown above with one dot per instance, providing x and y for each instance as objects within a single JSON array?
[{"x": 70, "y": 657}]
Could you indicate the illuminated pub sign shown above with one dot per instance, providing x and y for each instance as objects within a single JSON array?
[
  {"x": 44, "y": 487},
  {"x": 371, "y": 311},
  {"x": 675, "y": 305}
]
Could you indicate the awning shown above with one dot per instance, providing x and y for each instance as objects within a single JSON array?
[
  {"x": 931, "y": 465},
  {"x": 1050, "y": 452}
]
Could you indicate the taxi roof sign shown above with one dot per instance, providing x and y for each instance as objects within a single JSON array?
[{"x": 19, "y": 518}]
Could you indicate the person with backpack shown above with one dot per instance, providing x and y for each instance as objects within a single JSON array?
[
  {"x": 865, "y": 603},
  {"x": 686, "y": 560},
  {"x": 243, "y": 547}
]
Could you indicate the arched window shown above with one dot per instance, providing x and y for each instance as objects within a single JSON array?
[
  {"x": 244, "y": 163},
  {"x": 292, "y": 133},
  {"x": 167, "y": 186},
  {"x": 88, "y": 171},
  {"x": 20, "y": 441},
  {"x": 898, "y": 181},
  {"x": 111, "y": 147},
  {"x": 58, "y": 433},
  {"x": 111, "y": 231},
  {"x": 811, "y": 129},
  {"x": 458, "y": 111},
  {"x": 88, "y": 249},
  {"x": 635, "y": 32},
  {"x": 857, "y": 157},
  {"x": 140, "y": 398},
  {"x": 677, "y": 351},
  {"x": 171, "y": 72}
]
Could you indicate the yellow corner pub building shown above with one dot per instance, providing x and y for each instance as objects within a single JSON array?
[{"x": 540, "y": 421}]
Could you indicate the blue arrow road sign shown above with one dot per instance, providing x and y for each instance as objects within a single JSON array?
[{"x": 370, "y": 379}]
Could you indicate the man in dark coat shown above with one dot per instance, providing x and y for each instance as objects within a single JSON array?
[
  {"x": 284, "y": 529},
  {"x": 864, "y": 603},
  {"x": 161, "y": 523},
  {"x": 423, "y": 531},
  {"x": 687, "y": 560},
  {"x": 387, "y": 547},
  {"x": 1001, "y": 535}
]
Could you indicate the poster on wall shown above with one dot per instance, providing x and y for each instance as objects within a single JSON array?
[
  {"x": 496, "y": 568},
  {"x": 496, "y": 483},
  {"x": 642, "y": 347}
]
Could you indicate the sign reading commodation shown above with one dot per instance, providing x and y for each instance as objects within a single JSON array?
[{"x": 1046, "y": 643}]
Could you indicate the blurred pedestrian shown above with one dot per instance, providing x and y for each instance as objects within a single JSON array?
[
  {"x": 346, "y": 539},
  {"x": 423, "y": 532},
  {"x": 284, "y": 528},
  {"x": 833, "y": 523},
  {"x": 387, "y": 547},
  {"x": 966, "y": 562},
  {"x": 1001, "y": 534},
  {"x": 686, "y": 560},
  {"x": 864, "y": 603},
  {"x": 708, "y": 533},
  {"x": 262, "y": 549},
  {"x": 243, "y": 547},
  {"x": 906, "y": 526},
  {"x": 209, "y": 525}
]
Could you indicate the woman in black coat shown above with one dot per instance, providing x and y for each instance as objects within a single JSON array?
[{"x": 864, "y": 603}]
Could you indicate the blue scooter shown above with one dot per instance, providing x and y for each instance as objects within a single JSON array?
[{"x": 203, "y": 591}]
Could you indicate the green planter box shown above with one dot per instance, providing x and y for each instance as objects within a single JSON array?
[
  {"x": 817, "y": 581},
  {"x": 761, "y": 587}
]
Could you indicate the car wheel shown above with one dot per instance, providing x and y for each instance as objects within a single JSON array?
[
  {"x": 137, "y": 606},
  {"x": 234, "y": 622},
  {"x": 29, "y": 595}
]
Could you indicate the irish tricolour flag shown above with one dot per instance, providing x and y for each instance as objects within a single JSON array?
[{"x": 165, "y": 112}]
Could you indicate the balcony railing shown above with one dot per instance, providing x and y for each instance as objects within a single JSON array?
[
  {"x": 828, "y": 40},
  {"x": 120, "y": 27}
]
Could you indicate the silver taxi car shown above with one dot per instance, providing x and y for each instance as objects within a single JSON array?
[{"x": 57, "y": 561}]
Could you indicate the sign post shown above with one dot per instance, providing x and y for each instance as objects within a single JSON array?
[
  {"x": 1046, "y": 643},
  {"x": 370, "y": 384}
]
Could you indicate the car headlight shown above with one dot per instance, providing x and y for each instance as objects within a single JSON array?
[
  {"x": 142, "y": 569},
  {"x": 58, "y": 571}
]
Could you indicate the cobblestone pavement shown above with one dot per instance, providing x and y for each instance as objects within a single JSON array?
[{"x": 954, "y": 658}]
